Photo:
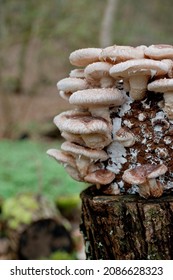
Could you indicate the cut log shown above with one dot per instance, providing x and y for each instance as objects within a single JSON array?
[
  {"x": 35, "y": 228},
  {"x": 126, "y": 227}
]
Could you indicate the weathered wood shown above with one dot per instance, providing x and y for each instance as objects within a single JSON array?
[{"x": 126, "y": 227}]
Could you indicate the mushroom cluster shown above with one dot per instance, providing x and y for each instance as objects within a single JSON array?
[{"x": 120, "y": 134}]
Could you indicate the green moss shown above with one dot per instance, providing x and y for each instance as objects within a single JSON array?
[
  {"x": 19, "y": 210},
  {"x": 61, "y": 255},
  {"x": 68, "y": 202}
]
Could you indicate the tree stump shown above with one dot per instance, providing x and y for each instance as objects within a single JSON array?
[{"x": 126, "y": 227}]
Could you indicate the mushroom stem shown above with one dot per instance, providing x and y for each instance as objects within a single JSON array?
[
  {"x": 98, "y": 186},
  {"x": 138, "y": 86},
  {"x": 101, "y": 112},
  {"x": 126, "y": 85},
  {"x": 82, "y": 164},
  {"x": 107, "y": 82},
  {"x": 168, "y": 107},
  {"x": 151, "y": 187},
  {"x": 156, "y": 188},
  {"x": 144, "y": 190}
]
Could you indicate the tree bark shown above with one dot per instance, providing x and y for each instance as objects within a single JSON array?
[{"x": 126, "y": 227}]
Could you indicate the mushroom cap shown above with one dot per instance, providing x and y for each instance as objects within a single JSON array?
[
  {"x": 156, "y": 170},
  {"x": 84, "y": 151},
  {"x": 139, "y": 66},
  {"x": 126, "y": 138},
  {"x": 97, "y": 97},
  {"x": 72, "y": 138},
  {"x": 97, "y": 70},
  {"x": 140, "y": 174},
  {"x": 80, "y": 123},
  {"x": 61, "y": 157},
  {"x": 64, "y": 95},
  {"x": 77, "y": 73},
  {"x": 101, "y": 176},
  {"x": 161, "y": 85},
  {"x": 159, "y": 51},
  {"x": 73, "y": 172},
  {"x": 83, "y": 57},
  {"x": 116, "y": 54},
  {"x": 72, "y": 84}
]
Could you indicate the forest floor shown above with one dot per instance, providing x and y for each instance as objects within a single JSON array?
[{"x": 31, "y": 114}]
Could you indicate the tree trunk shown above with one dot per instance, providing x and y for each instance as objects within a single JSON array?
[
  {"x": 107, "y": 23},
  {"x": 126, "y": 227}
]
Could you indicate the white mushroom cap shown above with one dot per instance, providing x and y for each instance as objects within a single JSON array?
[
  {"x": 97, "y": 97},
  {"x": 69, "y": 85},
  {"x": 139, "y": 72},
  {"x": 77, "y": 73},
  {"x": 98, "y": 74},
  {"x": 139, "y": 66},
  {"x": 98, "y": 101},
  {"x": 100, "y": 177},
  {"x": 159, "y": 51},
  {"x": 83, "y": 57},
  {"x": 161, "y": 85},
  {"x": 116, "y": 54},
  {"x": 165, "y": 86},
  {"x": 61, "y": 157}
]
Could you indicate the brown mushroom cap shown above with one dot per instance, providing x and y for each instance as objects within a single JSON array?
[
  {"x": 160, "y": 51},
  {"x": 102, "y": 177},
  {"x": 83, "y": 57},
  {"x": 161, "y": 85},
  {"x": 97, "y": 97},
  {"x": 125, "y": 137},
  {"x": 116, "y": 54},
  {"x": 139, "y": 66},
  {"x": 78, "y": 150},
  {"x": 80, "y": 123},
  {"x": 140, "y": 174}
]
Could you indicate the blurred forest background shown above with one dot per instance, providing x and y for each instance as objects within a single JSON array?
[{"x": 36, "y": 38}]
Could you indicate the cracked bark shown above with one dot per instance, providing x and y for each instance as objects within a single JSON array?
[{"x": 126, "y": 227}]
